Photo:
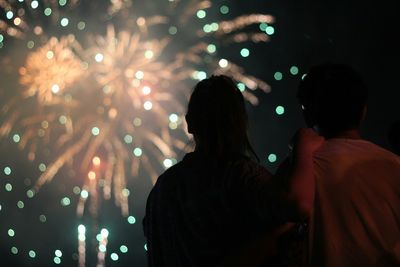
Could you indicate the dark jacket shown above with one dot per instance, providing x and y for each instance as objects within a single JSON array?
[{"x": 200, "y": 211}]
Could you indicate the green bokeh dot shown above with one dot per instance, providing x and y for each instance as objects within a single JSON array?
[
  {"x": 270, "y": 30},
  {"x": 172, "y": 30},
  {"x": 131, "y": 220},
  {"x": 30, "y": 193},
  {"x": 294, "y": 70},
  {"x": 224, "y": 9},
  {"x": 20, "y": 204},
  {"x": 11, "y": 232},
  {"x": 57, "y": 260},
  {"x": 280, "y": 110},
  {"x": 7, "y": 170},
  {"x": 245, "y": 52},
  {"x": 32, "y": 254},
  {"x": 272, "y": 158},
  {"x": 8, "y": 187},
  {"x": 114, "y": 256},
  {"x": 201, "y": 14},
  {"x": 16, "y": 138},
  {"x": 123, "y": 249},
  {"x": 14, "y": 250},
  {"x": 47, "y": 11},
  {"x": 263, "y": 26},
  {"x": 278, "y": 76},
  {"x": 42, "y": 218}
]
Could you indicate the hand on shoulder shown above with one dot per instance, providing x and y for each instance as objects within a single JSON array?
[{"x": 307, "y": 141}]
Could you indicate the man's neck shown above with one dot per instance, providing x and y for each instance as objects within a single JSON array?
[{"x": 349, "y": 134}]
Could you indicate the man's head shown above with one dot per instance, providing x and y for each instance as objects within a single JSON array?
[{"x": 333, "y": 98}]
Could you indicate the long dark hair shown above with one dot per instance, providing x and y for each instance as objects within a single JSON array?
[{"x": 217, "y": 118}]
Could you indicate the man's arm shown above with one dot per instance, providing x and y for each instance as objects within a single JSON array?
[{"x": 297, "y": 173}]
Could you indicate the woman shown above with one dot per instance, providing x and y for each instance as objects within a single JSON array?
[{"x": 217, "y": 199}]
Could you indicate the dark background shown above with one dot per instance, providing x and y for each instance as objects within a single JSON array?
[{"x": 361, "y": 33}]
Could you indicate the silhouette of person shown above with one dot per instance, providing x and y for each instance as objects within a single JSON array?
[
  {"x": 217, "y": 199},
  {"x": 355, "y": 214},
  {"x": 394, "y": 137}
]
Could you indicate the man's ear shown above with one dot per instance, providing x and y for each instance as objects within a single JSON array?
[
  {"x": 309, "y": 118},
  {"x": 364, "y": 113}
]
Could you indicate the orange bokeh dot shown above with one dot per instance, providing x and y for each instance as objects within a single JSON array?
[
  {"x": 92, "y": 175},
  {"x": 96, "y": 161}
]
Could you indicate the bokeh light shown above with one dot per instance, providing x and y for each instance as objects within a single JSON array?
[
  {"x": 131, "y": 220},
  {"x": 64, "y": 22},
  {"x": 272, "y": 158},
  {"x": 20, "y": 204},
  {"x": 58, "y": 253},
  {"x": 7, "y": 170},
  {"x": 16, "y": 138},
  {"x": 278, "y": 76},
  {"x": 270, "y": 30},
  {"x": 244, "y": 52},
  {"x": 114, "y": 256},
  {"x": 14, "y": 250},
  {"x": 8, "y": 187},
  {"x": 30, "y": 193},
  {"x": 57, "y": 260},
  {"x": 224, "y": 9},
  {"x": 280, "y": 110},
  {"x": 294, "y": 70},
  {"x": 11, "y": 232},
  {"x": 123, "y": 249},
  {"x": 32, "y": 253},
  {"x": 201, "y": 14},
  {"x": 42, "y": 218}
]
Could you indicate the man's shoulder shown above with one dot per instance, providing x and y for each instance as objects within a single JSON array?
[
  {"x": 356, "y": 146},
  {"x": 345, "y": 154},
  {"x": 377, "y": 151}
]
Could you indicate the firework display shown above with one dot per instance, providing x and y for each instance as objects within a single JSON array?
[{"x": 102, "y": 87}]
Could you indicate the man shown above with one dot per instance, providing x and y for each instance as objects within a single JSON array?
[{"x": 355, "y": 210}]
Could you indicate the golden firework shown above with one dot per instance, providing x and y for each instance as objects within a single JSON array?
[
  {"x": 50, "y": 70},
  {"x": 110, "y": 104}
]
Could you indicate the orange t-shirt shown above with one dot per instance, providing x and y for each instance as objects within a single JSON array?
[{"x": 356, "y": 217}]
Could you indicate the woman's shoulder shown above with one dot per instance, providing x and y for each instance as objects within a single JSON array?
[
  {"x": 178, "y": 169},
  {"x": 193, "y": 165},
  {"x": 248, "y": 167}
]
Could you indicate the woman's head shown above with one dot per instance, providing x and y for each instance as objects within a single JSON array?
[{"x": 217, "y": 118}]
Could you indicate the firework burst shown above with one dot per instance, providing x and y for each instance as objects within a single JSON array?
[
  {"x": 113, "y": 100},
  {"x": 50, "y": 70}
]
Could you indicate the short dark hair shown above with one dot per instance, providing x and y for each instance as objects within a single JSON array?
[
  {"x": 333, "y": 97},
  {"x": 217, "y": 117}
]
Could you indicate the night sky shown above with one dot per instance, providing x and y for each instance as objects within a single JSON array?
[{"x": 361, "y": 33}]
